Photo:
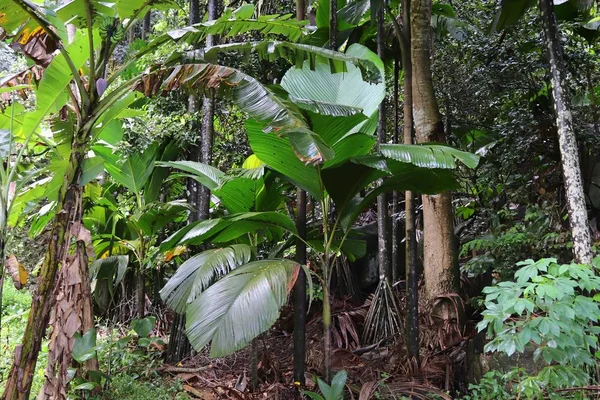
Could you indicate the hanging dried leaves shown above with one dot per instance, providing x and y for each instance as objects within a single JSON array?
[
  {"x": 17, "y": 272},
  {"x": 37, "y": 45}
]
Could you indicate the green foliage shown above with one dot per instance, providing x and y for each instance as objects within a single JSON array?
[
  {"x": 548, "y": 306},
  {"x": 333, "y": 392}
]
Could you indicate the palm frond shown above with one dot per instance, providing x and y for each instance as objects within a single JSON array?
[
  {"x": 197, "y": 273},
  {"x": 240, "y": 306}
]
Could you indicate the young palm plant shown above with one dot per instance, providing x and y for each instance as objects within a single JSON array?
[{"x": 341, "y": 111}]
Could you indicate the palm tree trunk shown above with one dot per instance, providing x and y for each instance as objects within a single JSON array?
[
  {"x": 20, "y": 378},
  {"x": 578, "y": 221},
  {"x": 382, "y": 203},
  {"x": 439, "y": 261},
  {"x": 412, "y": 279},
  {"x": 300, "y": 292},
  {"x": 208, "y": 129}
]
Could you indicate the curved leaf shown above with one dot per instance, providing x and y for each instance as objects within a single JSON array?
[
  {"x": 5, "y": 139},
  {"x": 248, "y": 94},
  {"x": 205, "y": 174},
  {"x": 429, "y": 155},
  {"x": 240, "y": 306},
  {"x": 197, "y": 273}
]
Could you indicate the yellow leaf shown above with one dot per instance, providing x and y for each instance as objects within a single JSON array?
[{"x": 177, "y": 251}]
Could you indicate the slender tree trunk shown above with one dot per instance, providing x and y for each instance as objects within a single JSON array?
[
  {"x": 208, "y": 129},
  {"x": 146, "y": 24},
  {"x": 300, "y": 285},
  {"x": 333, "y": 24},
  {"x": 440, "y": 267},
  {"x": 412, "y": 279},
  {"x": 300, "y": 292},
  {"x": 382, "y": 203},
  {"x": 18, "y": 384},
  {"x": 395, "y": 240},
  {"x": 578, "y": 221}
]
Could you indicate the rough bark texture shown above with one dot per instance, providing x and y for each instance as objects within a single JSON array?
[
  {"x": 440, "y": 268},
  {"x": 578, "y": 221},
  {"x": 72, "y": 313},
  {"x": 333, "y": 24},
  {"x": 300, "y": 293},
  {"x": 395, "y": 228},
  {"x": 18, "y": 384},
  {"x": 412, "y": 279},
  {"x": 146, "y": 24}
]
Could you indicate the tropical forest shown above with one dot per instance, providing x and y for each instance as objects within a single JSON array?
[{"x": 299, "y": 199}]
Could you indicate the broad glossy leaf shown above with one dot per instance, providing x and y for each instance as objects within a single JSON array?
[
  {"x": 205, "y": 174},
  {"x": 429, "y": 155},
  {"x": 276, "y": 152},
  {"x": 155, "y": 216},
  {"x": 143, "y": 326},
  {"x": 240, "y": 306},
  {"x": 90, "y": 169},
  {"x": 199, "y": 272}
]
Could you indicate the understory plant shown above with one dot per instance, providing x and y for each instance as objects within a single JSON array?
[{"x": 551, "y": 308}]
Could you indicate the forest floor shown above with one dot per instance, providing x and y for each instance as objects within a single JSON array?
[{"x": 378, "y": 371}]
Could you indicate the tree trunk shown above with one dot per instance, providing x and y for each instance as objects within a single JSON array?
[
  {"x": 146, "y": 24},
  {"x": 395, "y": 228},
  {"x": 72, "y": 313},
  {"x": 439, "y": 263},
  {"x": 412, "y": 279},
  {"x": 333, "y": 24},
  {"x": 382, "y": 203},
  {"x": 18, "y": 384},
  {"x": 578, "y": 221},
  {"x": 300, "y": 292},
  {"x": 208, "y": 129}
]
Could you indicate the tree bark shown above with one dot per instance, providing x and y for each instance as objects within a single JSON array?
[
  {"x": 440, "y": 267},
  {"x": 300, "y": 285},
  {"x": 412, "y": 279},
  {"x": 382, "y": 203},
  {"x": 18, "y": 384},
  {"x": 208, "y": 129},
  {"x": 146, "y": 24},
  {"x": 578, "y": 220},
  {"x": 300, "y": 292}
]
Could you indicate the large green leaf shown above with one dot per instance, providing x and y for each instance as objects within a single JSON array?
[
  {"x": 169, "y": 151},
  {"x": 199, "y": 272},
  {"x": 133, "y": 171},
  {"x": 510, "y": 13},
  {"x": 429, "y": 155},
  {"x": 248, "y": 94},
  {"x": 155, "y": 216},
  {"x": 276, "y": 152},
  {"x": 205, "y": 174},
  {"x": 238, "y": 22},
  {"x": 240, "y": 306}
]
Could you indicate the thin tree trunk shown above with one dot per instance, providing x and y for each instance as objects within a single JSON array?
[
  {"x": 395, "y": 240},
  {"x": 412, "y": 280},
  {"x": 146, "y": 24},
  {"x": 18, "y": 384},
  {"x": 333, "y": 24},
  {"x": 300, "y": 292},
  {"x": 578, "y": 221},
  {"x": 382, "y": 204},
  {"x": 208, "y": 116}
]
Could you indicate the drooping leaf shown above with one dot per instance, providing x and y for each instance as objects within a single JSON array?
[
  {"x": 509, "y": 13},
  {"x": 155, "y": 216},
  {"x": 247, "y": 93},
  {"x": 167, "y": 152},
  {"x": 90, "y": 169},
  {"x": 354, "y": 11},
  {"x": 199, "y": 272},
  {"x": 240, "y": 306}
]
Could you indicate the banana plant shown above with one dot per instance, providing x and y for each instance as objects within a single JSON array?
[{"x": 77, "y": 81}]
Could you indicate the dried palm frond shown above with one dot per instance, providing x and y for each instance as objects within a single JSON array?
[{"x": 384, "y": 318}]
